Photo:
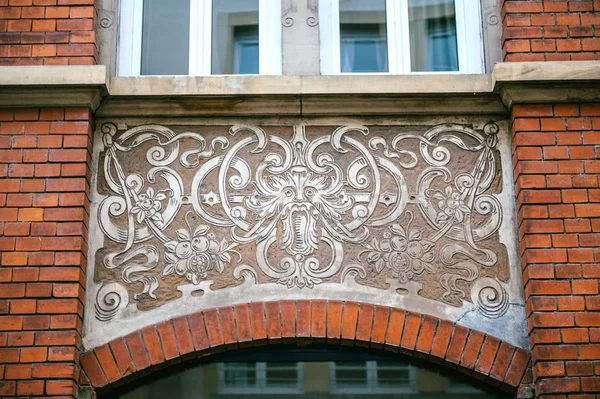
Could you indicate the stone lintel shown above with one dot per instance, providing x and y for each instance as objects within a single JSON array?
[
  {"x": 418, "y": 94},
  {"x": 39, "y": 86}
]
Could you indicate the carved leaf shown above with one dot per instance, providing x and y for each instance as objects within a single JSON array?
[
  {"x": 414, "y": 235},
  {"x": 220, "y": 266},
  {"x": 169, "y": 269},
  {"x": 201, "y": 230},
  {"x": 396, "y": 228},
  {"x": 183, "y": 235},
  {"x": 379, "y": 265}
]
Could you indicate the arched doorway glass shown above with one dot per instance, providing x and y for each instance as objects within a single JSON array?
[{"x": 311, "y": 372}]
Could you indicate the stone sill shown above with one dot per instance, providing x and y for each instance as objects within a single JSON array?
[{"x": 419, "y": 94}]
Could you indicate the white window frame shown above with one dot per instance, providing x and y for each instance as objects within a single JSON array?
[
  {"x": 261, "y": 386},
  {"x": 372, "y": 386},
  {"x": 200, "y": 54},
  {"x": 469, "y": 35}
]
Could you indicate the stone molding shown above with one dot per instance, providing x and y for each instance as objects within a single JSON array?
[
  {"x": 304, "y": 321},
  {"x": 53, "y": 86},
  {"x": 508, "y": 84}
]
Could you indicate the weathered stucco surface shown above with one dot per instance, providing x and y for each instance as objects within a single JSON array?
[{"x": 195, "y": 214}]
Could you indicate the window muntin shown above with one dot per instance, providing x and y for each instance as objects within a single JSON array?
[
  {"x": 159, "y": 40},
  {"x": 422, "y": 36}
]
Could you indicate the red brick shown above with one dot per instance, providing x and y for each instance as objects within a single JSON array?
[{"x": 198, "y": 330}]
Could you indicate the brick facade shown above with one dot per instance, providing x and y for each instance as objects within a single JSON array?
[
  {"x": 551, "y": 30},
  {"x": 555, "y": 154},
  {"x": 556, "y": 158},
  {"x": 47, "y": 32},
  {"x": 44, "y": 171}
]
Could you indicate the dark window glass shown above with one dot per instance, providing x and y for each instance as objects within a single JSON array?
[{"x": 165, "y": 37}]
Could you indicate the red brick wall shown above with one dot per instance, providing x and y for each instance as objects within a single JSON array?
[
  {"x": 47, "y": 32},
  {"x": 556, "y": 153},
  {"x": 44, "y": 186},
  {"x": 551, "y": 30},
  {"x": 349, "y": 323}
]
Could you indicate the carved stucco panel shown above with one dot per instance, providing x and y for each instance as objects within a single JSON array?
[{"x": 191, "y": 217}]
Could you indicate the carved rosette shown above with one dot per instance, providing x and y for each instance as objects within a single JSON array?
[{"x": 410, "y": 211}]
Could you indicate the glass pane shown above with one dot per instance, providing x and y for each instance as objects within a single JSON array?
[
  {"x": 392, "y": 374},
  {"x": 350, "y": 373},
  {"x": 433, "y": 45},
  {"x": 165, "y": 37},
  {"x": 239, "y": 374},
  {"x": 235, "y": 37},
  {"x": 282, "y": 374},
  {"x": 350, "y": 378},
  {"x": 363, "y": 36}
]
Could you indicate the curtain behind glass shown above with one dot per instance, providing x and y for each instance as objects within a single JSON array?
[
  {"x": 363, "y": 36},
  {"x": 432, "y": 27},
  {"x": 165, "y": 37}
]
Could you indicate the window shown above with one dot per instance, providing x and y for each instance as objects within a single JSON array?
[
  {"x": 400, "y": 36},
  {"x": 371, "y": 377},
  {"x": 199, "y": 37},
  {"x": 261, "y": 377},
  {"x": 313, "y": 372}
]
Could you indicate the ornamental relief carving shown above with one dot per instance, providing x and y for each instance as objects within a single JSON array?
[{"x": 406, "y": 211}]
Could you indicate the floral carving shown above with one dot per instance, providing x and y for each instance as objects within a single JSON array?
[
  {"x": 403, "y": 251},
  {"x": 451, "y": 204},
  {"x": 193, "y": 255},
  {"x": 147, "y": 205}
]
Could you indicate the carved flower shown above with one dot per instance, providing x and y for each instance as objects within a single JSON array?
[
  {"x": 404, "y": 254},
  {"x": 451, "y": 205},
  {"x": 148, "y": 204},
  {"x": 194, "y": 255}
]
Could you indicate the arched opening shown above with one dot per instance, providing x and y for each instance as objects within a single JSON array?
[{"x": 313, "y": 371}]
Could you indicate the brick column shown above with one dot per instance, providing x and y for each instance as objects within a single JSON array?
[
  {"x": 556, "y": 157},
  {"x": 44, "y": 188},
  {"x": 44, "y": 185},
  {"x": 556, "y": 154}
]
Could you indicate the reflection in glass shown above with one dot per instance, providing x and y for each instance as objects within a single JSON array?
[
  {"x": 433, "y": 45},
  {"x": 235, "y": 37},
  {"x": 363, "y": 36},
  {"x": 165, "y": 37},
  {"x": 351, "y": 378}
]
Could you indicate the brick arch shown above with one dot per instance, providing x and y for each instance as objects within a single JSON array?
[{"x": 334, "y": 322}]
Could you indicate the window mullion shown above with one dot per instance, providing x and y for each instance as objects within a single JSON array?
[
  {"x": 130, "y": 38},
  {"x": 469, "y": 35},
  {"x": 393, "y": 36},
  {"x": 200, "y": 37},
  {"x": 329, "y": 35},
  {"x": 261, "y": 376},
  {"x": 269, "y": 37},
  {"x": 403, "y": 37}
]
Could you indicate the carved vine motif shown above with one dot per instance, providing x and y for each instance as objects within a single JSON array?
[{"x": 300, "y": 211}]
